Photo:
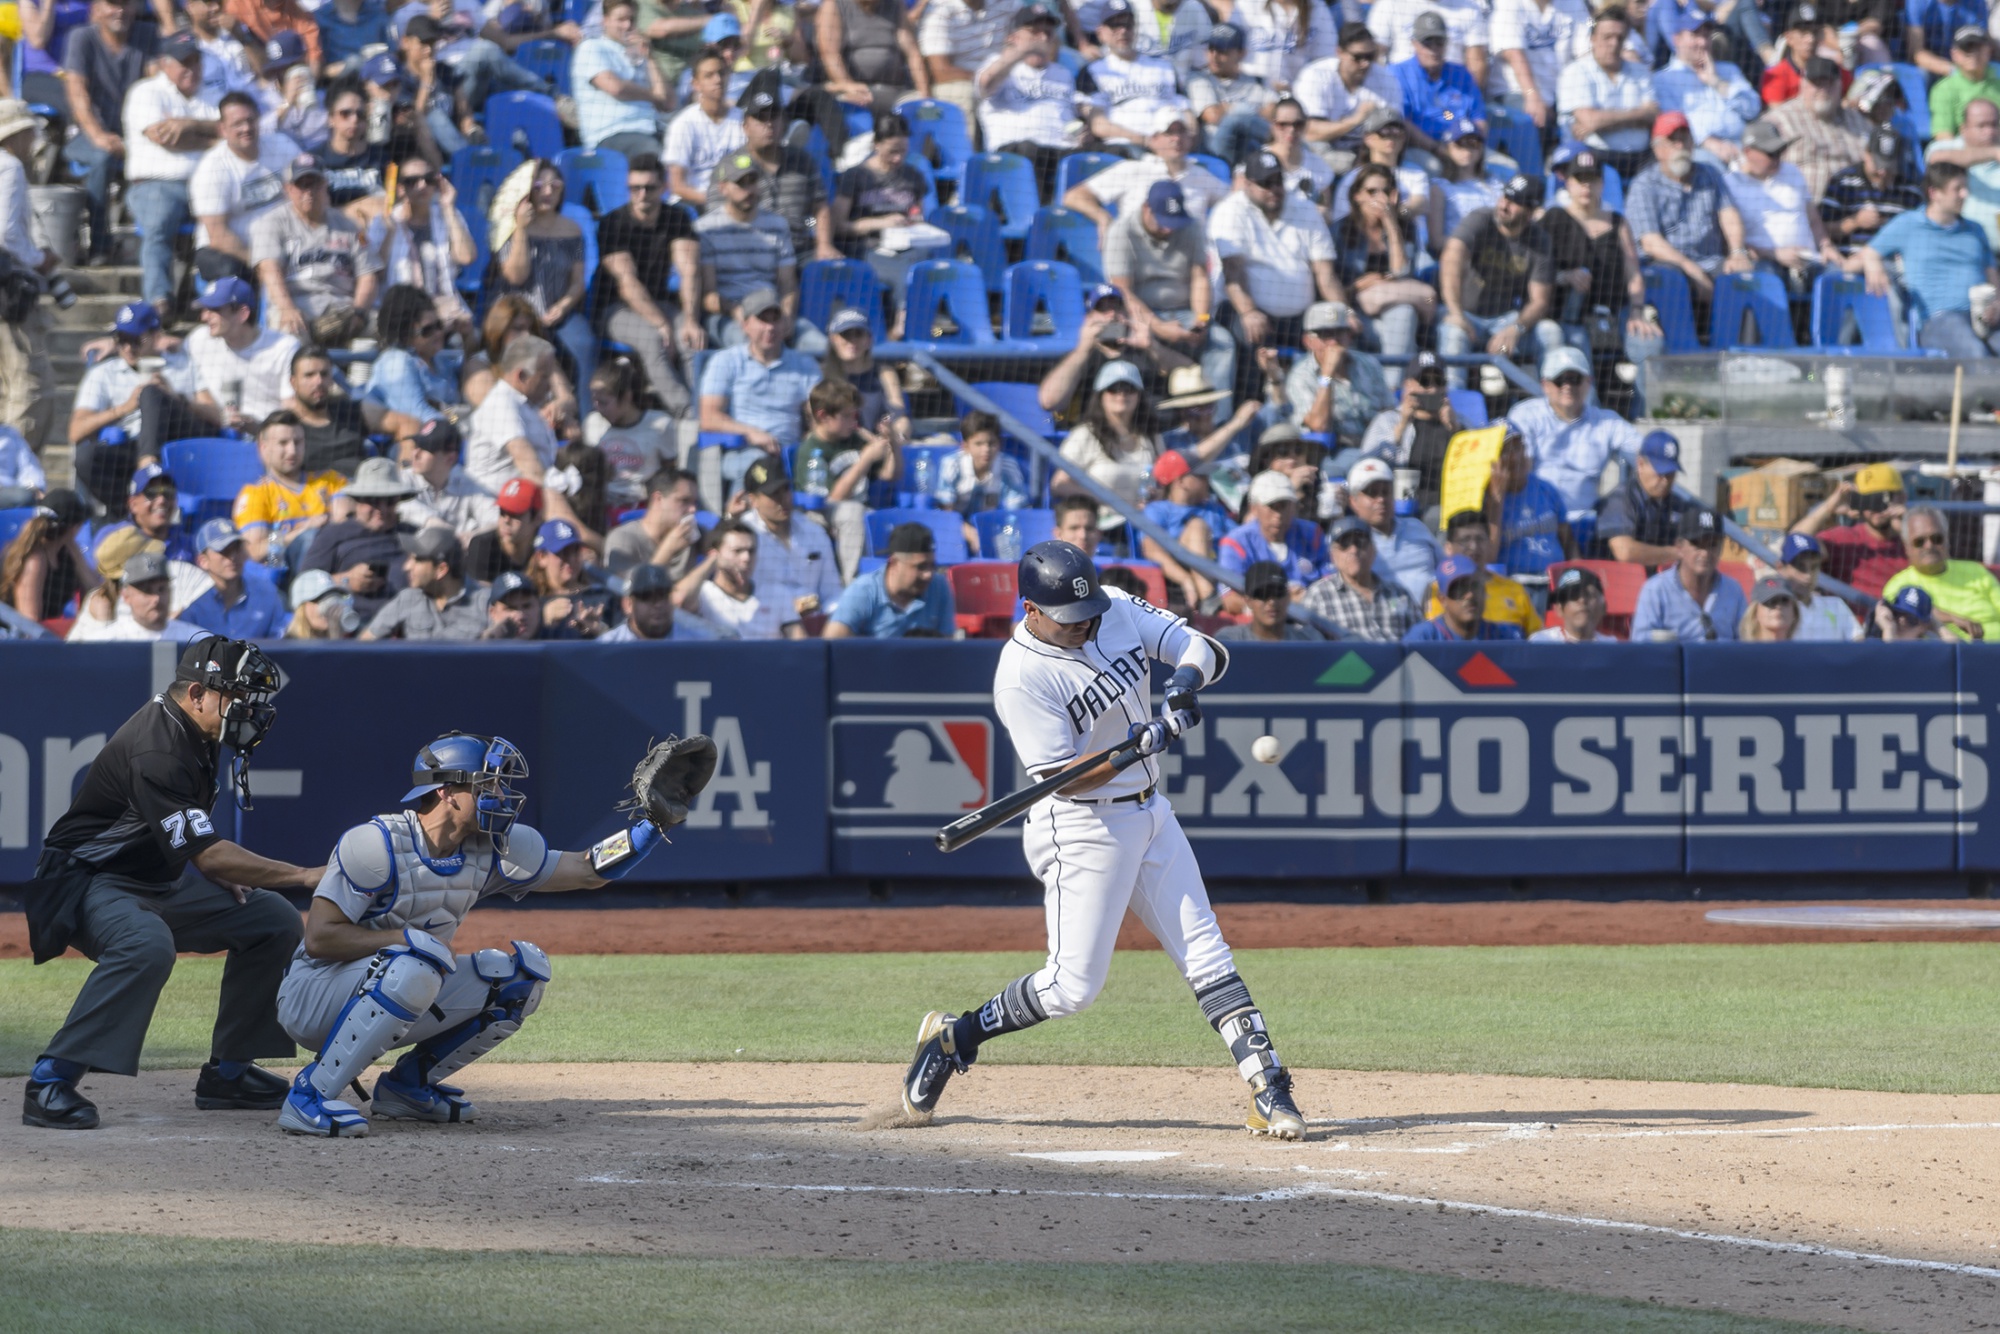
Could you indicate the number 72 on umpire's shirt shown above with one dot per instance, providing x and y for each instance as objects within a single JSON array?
[{"x": 179, "y": 823}]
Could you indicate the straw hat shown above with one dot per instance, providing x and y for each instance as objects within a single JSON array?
[
  {"x": 1187, "y": 388},
  {"x": 15, "y": 117}
]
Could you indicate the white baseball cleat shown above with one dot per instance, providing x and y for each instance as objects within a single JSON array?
[{"x": 306, "y": 1112}]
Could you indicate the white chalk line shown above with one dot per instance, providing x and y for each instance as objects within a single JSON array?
[
  {"x": 1288, "y": 1193},
  {"x": 1783, "y": 1130}
]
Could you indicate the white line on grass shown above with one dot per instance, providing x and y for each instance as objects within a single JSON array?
[{"x": 1288, "y": 1193}]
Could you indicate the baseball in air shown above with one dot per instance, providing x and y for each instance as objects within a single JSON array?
[{"x": 1265, "y": 748}]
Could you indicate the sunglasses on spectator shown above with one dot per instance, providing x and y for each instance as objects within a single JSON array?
[
  {"x": 1709, "y": 543},
  {"x": 1928, "y": 540},
  {"x": 344, "y": 113},
  {"x": 1570, "y": 379},
  {"x": 645, "y": 185},
  {"x": 415, "y": 179},
  {"x": 1435, "y": 43},
  {"x": 1462, "y": 588},
  {"x": 1379, "y": 490},
  {"x": 1353, "y": 541},
  {"x": 1294, "y": 124},
  {"x": 1362, "y": 57}
]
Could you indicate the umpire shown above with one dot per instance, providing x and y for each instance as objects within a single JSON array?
[{"x": 135, "y": 872}]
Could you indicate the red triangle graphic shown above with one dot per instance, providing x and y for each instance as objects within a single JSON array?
[
  {"x": 1480, "y": 670},
  {"x": 973, "y": 742}
]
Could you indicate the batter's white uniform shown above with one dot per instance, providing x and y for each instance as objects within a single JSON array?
[
  {"x": 430, "y": 894},
  {"x": 1120, "y": 844}
]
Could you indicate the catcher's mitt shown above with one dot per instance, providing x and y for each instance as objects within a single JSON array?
[{"x": 671, "y": 775}]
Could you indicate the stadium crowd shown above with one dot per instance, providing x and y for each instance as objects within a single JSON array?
[{"x": 532, "y": 320}]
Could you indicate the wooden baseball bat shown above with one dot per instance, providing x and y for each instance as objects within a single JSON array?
[{"x": 994, "y": 814}]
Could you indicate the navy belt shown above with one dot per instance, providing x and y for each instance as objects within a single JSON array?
[{"x": 1137, "y": 798}]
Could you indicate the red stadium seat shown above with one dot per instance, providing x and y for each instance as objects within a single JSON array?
[
  {"x": 1740, "y": 572},
  {"x": 1150, "y": 575},
  {"x": 985, "y": 592},
  {"x": 1622, "y": 582}
]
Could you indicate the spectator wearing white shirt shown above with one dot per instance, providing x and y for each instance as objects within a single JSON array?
[
  {"x": 508, "y": 437},
  {"x": 1127, "y": 90},
  {"x": 1578, "y": 599},
  {"x": 1276, "y": 257},
  {"x": 724, "y": 591},
  {"x": 702, "y": 134},
  {"x": 1823, "y": 618},
  {"x": 235, "y": 183},
  {"x": 1465, "y": 26},
  {"x": 1605, "y": 98},
  {"x": 1781, "y": 223},
  {"x": 1535, "y": 40},
  {"x": 1027, "y": 100},
  {"x": 1282, "y": 37},
  {"x": 151, "y": 408},
  {"x": 1125, "y": 186},
  {"x": 26, "y": 377},
  {"x": 21, "y": 475},
  {"x": 1228, "y": 103},
  {"x": 1714, "y": 96},
  {"x": 244, "y": 371},
  {"x": 619, "y": 90},
  {"x": 1185, "y": 27},
  {"x": 167, "y": 129},
  {"x": 443, "y": 492},
  {"x": 1340, "y": 92},
  {"x": 957, "y": 39},
  {"x": 794, "y": 553},
  {"x": 140, "y": 615}
]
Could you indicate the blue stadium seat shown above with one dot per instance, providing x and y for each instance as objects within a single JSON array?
[
  {"x": 975, "y": 238},
  {"x": 923, "y": 169},
  {"x": 816, "y": 149},
  {"x": 1763, "y": 297},
  {"x": 1046, "y": 285},
  {"x": 1834, "y": 295},
  {"x": 940, "y": 126},
  {"x": 13, "y": 521},
  {"x": 549, "y": 57},
  {"x": 601, "y": 172},
  {"x": 1217, "y": 168},
  {"x": 945, "y": 526},
  {"x": 1916, "y": 122},
  {"x": 1020, "y": 401},
  {"x": 827, "y": 285},
  {"x": 514, "y": 119},
  {"x": 1065, "y": 234},
  {"x": 860, "y": 120},
  {"x": 1076, "y": 167},
  {"x": 1033, "y": 526},
  {"x": 215, "y": 468},
  {"x": 1470, "y": 405},
  {"x": 941, "y": 286},
  {"x": 580, "y": 215},
  {"x": 1512, "y": 133},
  {"x": 1004, "y": 185},
  {"x": 476, "y": 172},
  {"x": 1667, "y": 291}
]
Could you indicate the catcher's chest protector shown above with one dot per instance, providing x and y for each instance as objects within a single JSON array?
[{"x": 432, "y": 896}]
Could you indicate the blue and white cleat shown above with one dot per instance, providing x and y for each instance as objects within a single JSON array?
[
  {"x": 308, "y": 1112},
  {"x": 401, "y": 1101}
]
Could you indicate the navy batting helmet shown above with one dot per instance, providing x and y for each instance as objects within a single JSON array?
[{"x": 1062, "y": 581}]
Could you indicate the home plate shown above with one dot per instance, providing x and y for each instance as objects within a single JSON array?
[
  {"x": 1102, "y": 1156},
  {"x": 1842, "y": 918}
]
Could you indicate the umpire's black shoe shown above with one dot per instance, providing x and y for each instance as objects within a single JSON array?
[
  {"x": 255, "y": 1090},
  {"x": 57, "y": 1106}
]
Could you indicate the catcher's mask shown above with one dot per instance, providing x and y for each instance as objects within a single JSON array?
[
  {"x": 248, "y": 676},
  {"x": 483, "y": 763}
]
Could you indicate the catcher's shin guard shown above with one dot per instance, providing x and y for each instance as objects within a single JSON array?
[
  {"x": 401, "y": 984},
  {"x": 515, "y": 979}
]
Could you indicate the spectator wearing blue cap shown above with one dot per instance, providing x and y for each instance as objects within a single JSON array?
[
  {"x": 1157, "y": 256},
  {"x": 1229, "y": 103},
  {"x": 144, "y": 389},
  {"x": 244, "y": 371},
  {"x": 1907, "y": 616},
  {"x": 1569, "y": 438},
  {"x": 233, "y": 606},
  {"x": 292, "y": 105},
  {"x": 1462, "y": 608},
  {"x": 1640, "y": 521},
  {"x": 167, "y": 128},
  {"x": 1691, "y": 602},
  {"x": 1497, "y": 279},
  {"x": 153, "y": 509},
  {"x": 1355, "y": 596},
  {"x": 1822, "y": 616}
]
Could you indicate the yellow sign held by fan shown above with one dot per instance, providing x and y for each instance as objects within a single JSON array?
[{"x": 1468, "y": 467}]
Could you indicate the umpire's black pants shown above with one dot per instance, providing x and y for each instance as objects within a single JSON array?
[{"x": 133, "y": 929}]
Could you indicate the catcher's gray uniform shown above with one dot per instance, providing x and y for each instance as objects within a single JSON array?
[{"x": 431, "y": 896}]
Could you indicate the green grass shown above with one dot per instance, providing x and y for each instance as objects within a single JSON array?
[
  {"x": 78, "y": 1282},
  {"x": 1895, "y": 1017}
]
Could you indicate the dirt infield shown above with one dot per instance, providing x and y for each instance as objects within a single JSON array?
[
  {"x": 1782, "y": 1202},
  {"x": 1248, "y": 926}
]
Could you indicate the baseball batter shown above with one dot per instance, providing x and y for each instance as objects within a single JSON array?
[
  {"x": 1076, "y": 680},
  {"x": 376, "y": 968}
]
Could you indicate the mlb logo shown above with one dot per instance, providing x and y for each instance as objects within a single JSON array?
[{"x": 912, "y": 765}]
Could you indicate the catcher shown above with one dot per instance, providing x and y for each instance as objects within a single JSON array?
[{"x": 376, "y": 968}]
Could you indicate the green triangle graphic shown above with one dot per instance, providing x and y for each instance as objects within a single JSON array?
[{"x": 1349, "y": 671}]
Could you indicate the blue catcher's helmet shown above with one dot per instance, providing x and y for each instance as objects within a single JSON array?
[
  {"x": 1061, "y": 580},
  {"x": 483, "y": 763}
]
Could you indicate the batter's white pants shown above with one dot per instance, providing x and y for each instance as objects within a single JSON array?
[
  {"x": 1094, "y": 862},
  {"x": 313, "y": 994}
]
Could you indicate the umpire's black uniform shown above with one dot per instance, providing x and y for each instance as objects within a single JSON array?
[{"x": 115, "y": 881}]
